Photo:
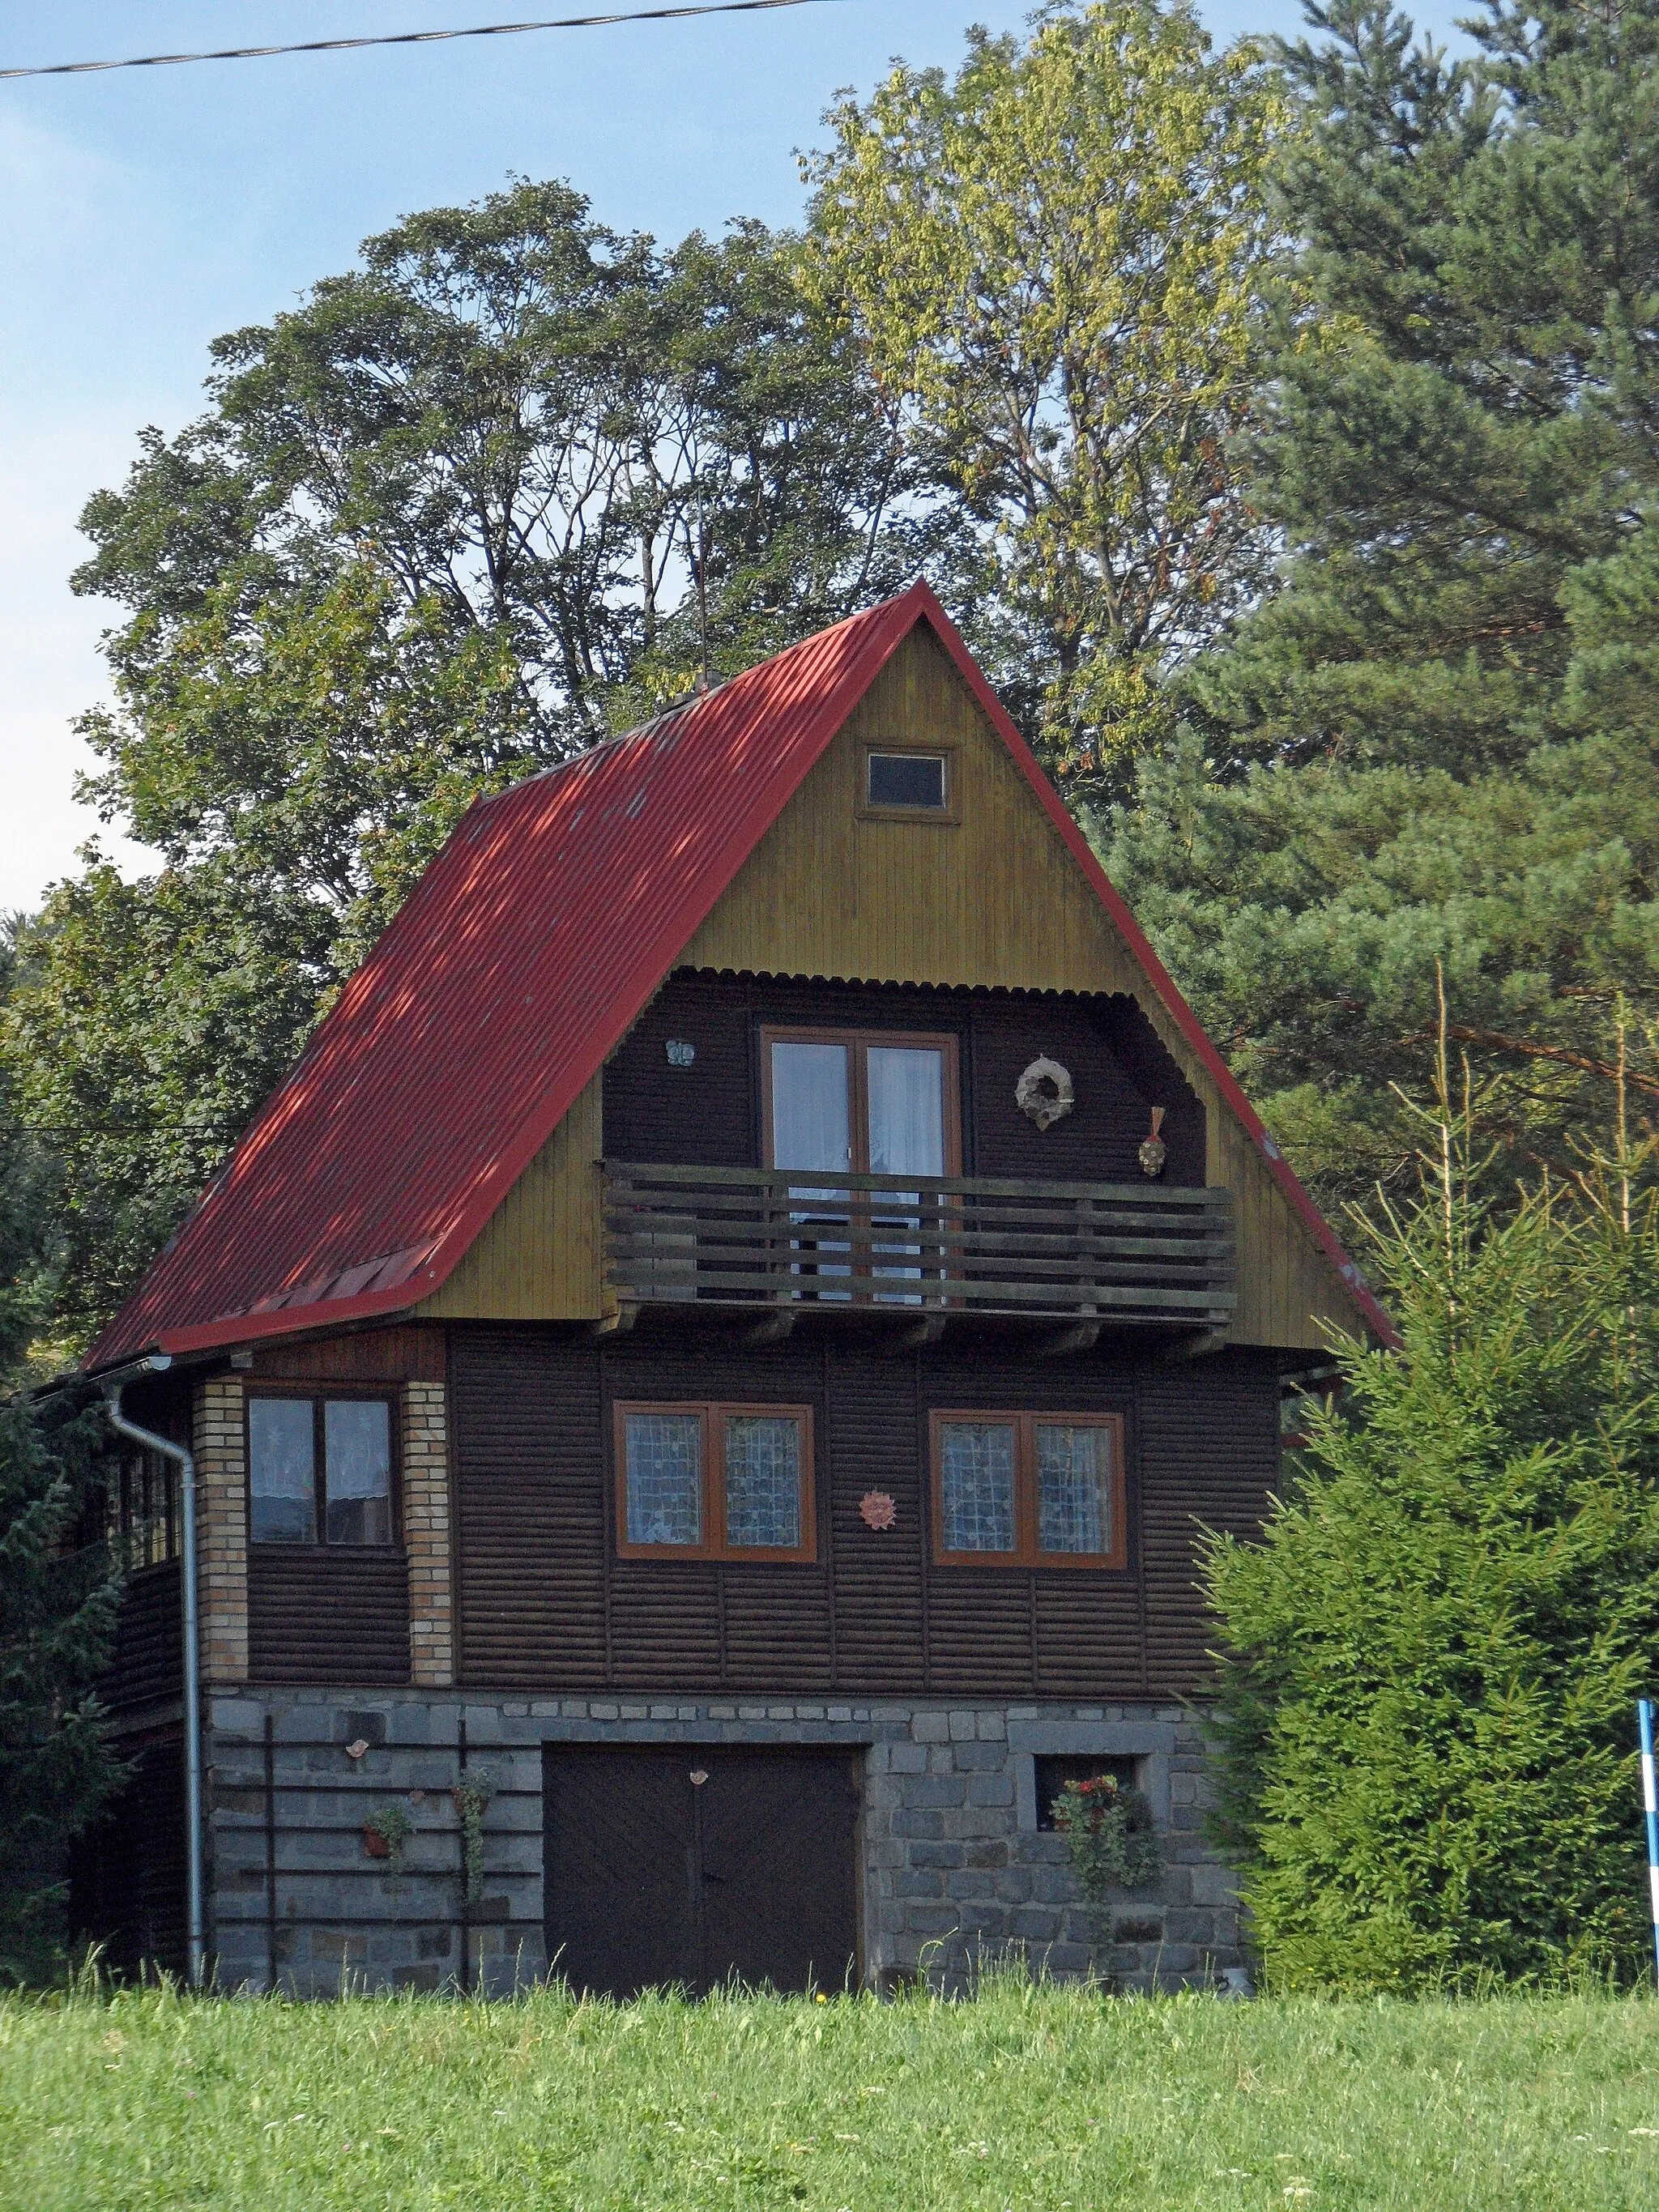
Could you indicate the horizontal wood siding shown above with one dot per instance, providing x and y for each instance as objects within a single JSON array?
[
  {"x": 1209, "y": 1455},
  {"x": 127, "y": 1872},
  {"x": 545, "y": 1604},
  {"x": 531, "y": 1538},
  {"x": 327, "y": 1612},
  {"x": 148, "y": 1663},
  {"x": 708, "y": 1115},
  {"x": 873, "y": 1438}
]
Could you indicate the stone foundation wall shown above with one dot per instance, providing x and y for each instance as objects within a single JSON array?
[{"x": 955, "y": 1872}]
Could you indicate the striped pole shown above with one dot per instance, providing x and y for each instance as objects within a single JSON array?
[{"x": 1651, "y": 1806}]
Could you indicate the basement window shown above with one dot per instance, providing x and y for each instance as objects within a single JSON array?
[
  {"x": 319, "y": 1470},
  {"x": 1053, "y": 1770},
  {"x": 714, "y": 1482}
]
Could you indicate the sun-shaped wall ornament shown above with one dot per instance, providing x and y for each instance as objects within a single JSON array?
[{"x": 876, "y": 1510}]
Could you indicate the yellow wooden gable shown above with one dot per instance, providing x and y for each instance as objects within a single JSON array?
[{"x": 990, "y": 897}]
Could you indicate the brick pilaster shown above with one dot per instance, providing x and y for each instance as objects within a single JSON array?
[
  {"x": 426, "y": 1534},
  {"x": 222, "y": 1527}
]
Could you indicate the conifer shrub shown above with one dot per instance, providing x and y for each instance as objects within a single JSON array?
[{"x": 1431, "y": 1659}]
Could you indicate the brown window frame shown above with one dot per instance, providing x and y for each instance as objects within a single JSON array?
[
  {"x": 858, "y": 1042},
  {"x": 946, "y": 749},
  {"x": 391, "y": 1400},
  {"x": 144, "y": 1512},
  {"x": 714, "y": 1414},
  {"x": 1024, "y": 1423}
]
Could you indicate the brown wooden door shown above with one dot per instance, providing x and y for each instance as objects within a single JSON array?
[{"x": 698, "y": 1865}]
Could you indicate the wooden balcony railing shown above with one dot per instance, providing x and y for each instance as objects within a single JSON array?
[{"x": 756, "y": 1237}]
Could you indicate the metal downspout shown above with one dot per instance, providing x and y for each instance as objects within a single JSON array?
[{"x": 111, "y": 1386}]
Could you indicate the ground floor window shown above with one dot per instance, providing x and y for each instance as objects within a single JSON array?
[
  {"x": 714, "y": 1481},
  {"x": 1029, "y": 1489},
  {"x": 319, "y": 1470}
]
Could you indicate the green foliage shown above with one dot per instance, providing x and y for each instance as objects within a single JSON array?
[
  {"x": 466, "y": 509},
  {"x": 1427, "y": 1693},
  {"x": 59, "y": 1594},
  {"x": 1053, "y": 263},
  {"x": 1432, "y": 743},
  {"x": 1108, "y": 1831},
  {"x": 471, "y": 1796},
  {"x": 1032, "y": 2096}
]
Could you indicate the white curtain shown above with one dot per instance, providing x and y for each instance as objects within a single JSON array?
[{"x": 907, "y": 1109}]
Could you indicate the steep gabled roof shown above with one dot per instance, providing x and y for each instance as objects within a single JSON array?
[{"x": 532, "y": 943}]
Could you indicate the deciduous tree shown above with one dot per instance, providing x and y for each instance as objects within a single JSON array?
[{"x": 1055, "y": 263}]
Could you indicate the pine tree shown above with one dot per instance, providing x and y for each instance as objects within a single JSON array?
[
  {"x": 1431, "y": 1660},
  {"x": 1432, "y": 747}
]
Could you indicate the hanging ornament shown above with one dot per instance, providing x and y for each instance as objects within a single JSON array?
[
  {"x": 1153, "y": 1150},
  {"x": 1044, "y": 1092}
]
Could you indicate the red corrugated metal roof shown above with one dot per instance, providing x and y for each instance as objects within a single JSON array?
[{"x": 531, "y": 943}]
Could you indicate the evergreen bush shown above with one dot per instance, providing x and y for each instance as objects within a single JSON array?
[{"x": 1425, "y": 1709}]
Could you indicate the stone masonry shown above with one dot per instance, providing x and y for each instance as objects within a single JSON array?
[
  {"x": 426, "y": 1534},
  {"x": 222, "y": 1532},
  {"x": 955, "y": 1872}
]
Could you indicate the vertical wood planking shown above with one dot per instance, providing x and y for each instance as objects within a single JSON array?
[{"x": 538, "y": 1258}]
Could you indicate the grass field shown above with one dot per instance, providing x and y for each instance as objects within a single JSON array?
[{"x": 1026, "y": 2098}]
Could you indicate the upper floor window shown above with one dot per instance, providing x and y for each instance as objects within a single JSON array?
[
  {"x": 905, "y": 780},
  {"x": 912, "y": 782},
  {"x": 1028, "y": 1490},
  {"x": 714, "y": 1482},
  {"x": 875, "y": 1102},
  {"x": 319, "y": 1470}
]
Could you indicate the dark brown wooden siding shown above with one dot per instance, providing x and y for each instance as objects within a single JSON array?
[
  {"x": 127, "y": 1871},
  {"x": 545, "y": 1605},
  {"x": 147, "y": 1662},
  {"x": 1209, "y": 1454},
  {"x": 708, "y": 1115},
  {"x": 322, "y": 1612},
  {"x": 413, "y": 1354}
]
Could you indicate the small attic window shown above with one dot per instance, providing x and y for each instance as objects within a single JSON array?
[{"x": 913, "y": 781}]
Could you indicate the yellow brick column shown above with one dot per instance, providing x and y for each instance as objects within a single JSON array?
[
  {"x": 222, "y": 1527},
  {"x": 426, "y": 1534}
]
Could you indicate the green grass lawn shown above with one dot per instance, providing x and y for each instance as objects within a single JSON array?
[{"x": 1026, "y": 2098}]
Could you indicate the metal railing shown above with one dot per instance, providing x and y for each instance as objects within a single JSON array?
[{"x": 783, "y": 1237}]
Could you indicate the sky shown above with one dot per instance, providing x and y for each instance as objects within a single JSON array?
[{"x": 145, "y": 211}]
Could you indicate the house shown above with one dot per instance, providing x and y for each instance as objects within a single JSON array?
[{"x": 704, "y": 1382}]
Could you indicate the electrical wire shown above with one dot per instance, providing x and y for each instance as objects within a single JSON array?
[{"x": 413, "y": 38}]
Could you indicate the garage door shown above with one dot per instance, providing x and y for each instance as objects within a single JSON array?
[{"x": 697, "y": 1866}]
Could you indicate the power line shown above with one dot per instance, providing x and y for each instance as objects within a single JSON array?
[{"x": 412, "y": 38}]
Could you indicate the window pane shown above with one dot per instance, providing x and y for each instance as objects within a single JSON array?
[
  {"x": 664, "y": 1479},
  {"x": 1075, "y": 1488},
  {"x": 907, "y": 779},
  {"x": 976, "y": 1484},
  {"x": 811, "y": 1128},
  {"x": 763, "y": 1481},
  {"x": 280, "y": 1471},
  {"x": 357, "y": 1470},
  {"x": 907, "y": 1109}
]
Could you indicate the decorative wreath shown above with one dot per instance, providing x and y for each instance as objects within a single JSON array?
[{"x": 1044, "y": 1092}]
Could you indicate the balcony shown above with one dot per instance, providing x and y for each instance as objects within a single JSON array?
[{"x": 1093, "y": 1254}]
